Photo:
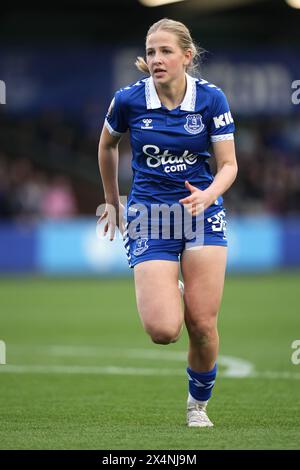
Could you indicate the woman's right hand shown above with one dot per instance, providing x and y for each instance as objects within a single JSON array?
[{"x": 114, "y": 217}]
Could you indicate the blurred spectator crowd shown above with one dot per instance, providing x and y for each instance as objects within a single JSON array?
[
  {"x": 48, "y": 168},
  {"x": 28, "y": 192}
]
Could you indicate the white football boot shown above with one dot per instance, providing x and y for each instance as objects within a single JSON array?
[{"x": 196, "y": 414}]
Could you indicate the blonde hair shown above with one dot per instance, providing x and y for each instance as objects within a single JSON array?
[{"x": 185, "y": 41}]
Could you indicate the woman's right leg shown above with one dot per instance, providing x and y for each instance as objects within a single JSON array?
[{"x": 158, "y": 299}]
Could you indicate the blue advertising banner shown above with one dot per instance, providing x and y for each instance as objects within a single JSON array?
[
  {"x": 254, "y": 244},
  {"x": 261, "y": 81},
  {"x": 65, "y": 80},
  {"x": 291, "y": 243},
  {"x": 75, "y": 247},
  {"x": 17, "y": 248}
]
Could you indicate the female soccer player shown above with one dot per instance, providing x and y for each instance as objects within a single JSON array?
[{"x": 173, "y": 118}]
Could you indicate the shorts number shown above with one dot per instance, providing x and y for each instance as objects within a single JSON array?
[{"x": 218, "y": 222}]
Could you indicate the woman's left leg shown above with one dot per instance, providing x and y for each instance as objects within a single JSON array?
[{"x": 203, "y": 273}]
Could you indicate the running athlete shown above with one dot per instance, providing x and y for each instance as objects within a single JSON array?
[{"x": 173, "y": 118}]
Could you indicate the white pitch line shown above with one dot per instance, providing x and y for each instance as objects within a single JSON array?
[
  {"x": 65, "y": 351},
  {"x": 233, "y": 367},
  {"x": 112, "y": 370},
  {"x": 270, "y": 374},
  {"x": 98, "y": 370}
]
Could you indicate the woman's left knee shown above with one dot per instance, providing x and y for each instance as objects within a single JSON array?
[{"x": 205, "y": 328}]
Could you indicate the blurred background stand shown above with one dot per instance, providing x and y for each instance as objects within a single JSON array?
[{"x": 61, "y": 65}]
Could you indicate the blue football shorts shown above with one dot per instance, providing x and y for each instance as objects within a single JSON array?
[{"x": 147, "y": 237}]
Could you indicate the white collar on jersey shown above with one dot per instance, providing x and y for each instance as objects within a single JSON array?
[{"x": 189, "y": 100}]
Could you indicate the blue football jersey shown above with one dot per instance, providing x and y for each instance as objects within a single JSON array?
[{"x": 170, "y": 146}]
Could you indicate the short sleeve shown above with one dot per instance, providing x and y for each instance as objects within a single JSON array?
[
  {"x": 222, "y": 124},
  {"x": 116, "y": 118}
]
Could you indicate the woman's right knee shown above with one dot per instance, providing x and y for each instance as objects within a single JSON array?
[{"x": 163, "y": 335}]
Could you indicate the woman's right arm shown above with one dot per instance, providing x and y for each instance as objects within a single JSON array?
[{"x": 108, "y": 159}]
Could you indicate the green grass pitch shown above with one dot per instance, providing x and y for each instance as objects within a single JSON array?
[{"x": 82, "y": 374}]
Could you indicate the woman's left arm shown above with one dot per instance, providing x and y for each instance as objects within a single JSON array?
[{"x": 227, "y": 168}]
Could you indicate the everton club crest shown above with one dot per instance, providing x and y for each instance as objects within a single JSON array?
[
  {"x": 194, "y": 124},
  {"x": 140, "y": 246}
]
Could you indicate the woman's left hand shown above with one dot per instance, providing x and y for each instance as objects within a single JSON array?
[{"x": 198, "y": 201}]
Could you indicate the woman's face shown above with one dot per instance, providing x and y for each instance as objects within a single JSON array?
[{"x": 165, "y": 58}]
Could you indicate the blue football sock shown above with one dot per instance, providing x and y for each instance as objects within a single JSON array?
[{"x": 201, "y": 383}]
